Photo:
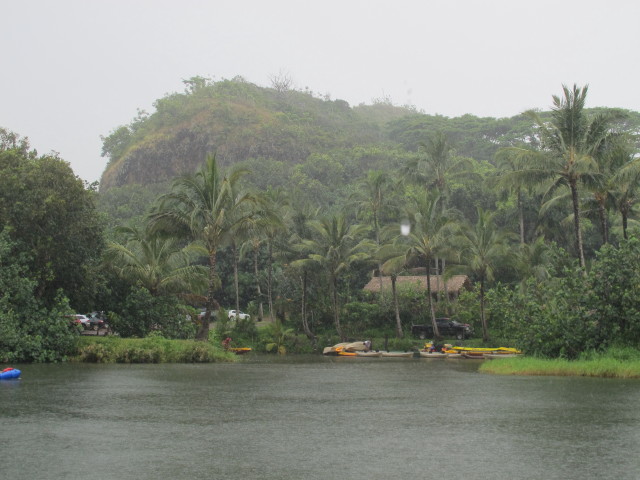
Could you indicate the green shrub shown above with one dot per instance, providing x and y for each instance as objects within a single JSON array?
[{"x": 148, "y": 350}]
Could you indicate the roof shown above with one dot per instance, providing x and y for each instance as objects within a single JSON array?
[{"x": 454, "y": 283}]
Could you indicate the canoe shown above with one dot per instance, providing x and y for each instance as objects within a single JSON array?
[
  {"x": 483, "y": 350},
  {"x": 398, "y": 354},
  {"x": 368, "y": 354},
  {"x": 491, "y": 356},
  {"x": 10, "y": 374},
  {"x": 433, "y": 355},
  {"x": 240, "y": 350},
  {"x": 346, "y": 354},
  {"x": 454, "y": 355},
  {"x": 472, "y": 356}
]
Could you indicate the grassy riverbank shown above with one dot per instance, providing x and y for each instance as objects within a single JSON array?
[
  {"x": 614, "y": 363},
  {"x": 114, "y": 349}
]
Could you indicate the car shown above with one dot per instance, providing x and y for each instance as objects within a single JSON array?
[
  {"x": 78, "y": 319},
  {"x": 446, "y": 327},
  {"x": 97, "y": 320},
  {"x": 203, "y": 312},
  {"x": 240, "y": 315}
]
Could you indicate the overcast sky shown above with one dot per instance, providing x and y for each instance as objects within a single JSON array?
[{"x": 73, "y": 70}]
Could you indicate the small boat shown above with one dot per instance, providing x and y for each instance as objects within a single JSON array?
[
  {"x": 10, "y": 373},
  {"x": 344, "y": 353},
  {"x": 433, "y": 355},
  {"x": 454, "y": 355},
  {"x": 484, "y": 350},
  {"x": 472, "y": 356},
  {"x": 398, "y": 354},
  {"x": 368, "y": 354},
  {"x": 491, "y": 356},
  {"x": 240, "y": 350},
  {"x": 347, "y": 347}
]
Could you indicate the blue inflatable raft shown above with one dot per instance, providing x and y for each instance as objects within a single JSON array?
[{"x": 9, "y": 373}]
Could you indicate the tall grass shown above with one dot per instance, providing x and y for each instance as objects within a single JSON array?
[
  {"x": 148, "y": 350},
  {"x": 607, "y": 364}
]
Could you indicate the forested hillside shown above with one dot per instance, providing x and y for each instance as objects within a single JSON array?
[
  {"x": 232, "y": 196},
  {"x": 273, "y": 130}
]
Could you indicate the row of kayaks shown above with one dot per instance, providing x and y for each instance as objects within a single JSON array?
[
  {"x": 362, "y": 349},
  {"x": 376, "y": 353},
  {"x": 10, "y": 373}
]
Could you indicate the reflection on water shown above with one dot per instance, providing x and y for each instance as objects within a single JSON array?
[{"x": 314, "y": 418}]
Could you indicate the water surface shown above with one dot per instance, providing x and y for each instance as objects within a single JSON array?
[{"x": 303, "y": 417}]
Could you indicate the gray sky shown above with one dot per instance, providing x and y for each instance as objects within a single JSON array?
[{"x": 73, "y": 70}]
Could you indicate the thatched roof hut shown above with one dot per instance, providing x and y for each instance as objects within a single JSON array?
[{"x": 453, "y": 285}]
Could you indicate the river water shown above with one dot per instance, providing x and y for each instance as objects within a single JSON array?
[{"x": 313, "y": 417}]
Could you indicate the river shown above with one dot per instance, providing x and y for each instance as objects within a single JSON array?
[{"x": 313, "y": 417}]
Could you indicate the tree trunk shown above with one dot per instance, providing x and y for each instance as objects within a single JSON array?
[
  {"x": 305, "y": 324},
  {"x": 520, "y": 216},
  {"x": 203, "y": 332},
  {"x": 576, "y": 222},
  {"x": 625, "y": 219},
  {"x": 432, "y": 312},
  {"x": 399, "y": 332},
  {"x": 602, "y": 216},
  {"x": 270, "y": 279},
  {"x": 483, "y": 318},
  {"x": 236, "y": 284},
  {"x": 257, "y": 277},
  {"x": 336, "y": 312}
]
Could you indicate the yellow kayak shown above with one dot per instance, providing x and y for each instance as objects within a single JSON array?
[{"x": 493, "y": 350}]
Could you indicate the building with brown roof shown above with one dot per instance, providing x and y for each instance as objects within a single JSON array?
[{"x": 439, "y": 285}]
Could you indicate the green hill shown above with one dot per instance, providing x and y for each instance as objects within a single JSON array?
[{"x": 271, "y": 130}]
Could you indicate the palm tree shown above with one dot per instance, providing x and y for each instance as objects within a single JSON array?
[
  {"x": 295, "y": 253},
  {"x": 393, "y": 260},
  {"x": 371, "y": 198},
  {"x": 571, "y": 143},
  {"x": 260, "y": 230},
  {"x": 156, "y": 262},
  {"x": 510, "y": 160},
  {"x": 429, "y": 236},
  {"x": 335, "y": 246},
  {"x": 626, "y": 180},
  {"x": 438, "y": 166},
  {"x": 482, "y": 247},
  {"x": 204, "y": 208}
]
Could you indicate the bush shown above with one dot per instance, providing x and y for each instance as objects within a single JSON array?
[
  {"x": 30, "y": 330},
  {"x": 142, "y": 313},
  {"x": 154, "y": 349}
]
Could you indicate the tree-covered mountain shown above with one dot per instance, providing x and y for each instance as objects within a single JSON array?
[{"x": 274, "y": 129}]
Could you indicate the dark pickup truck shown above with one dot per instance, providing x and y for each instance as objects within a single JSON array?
[{"x": 446, "y": 328}]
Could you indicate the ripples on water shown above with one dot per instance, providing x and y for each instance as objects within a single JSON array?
[{"x": 314, "y": 418}]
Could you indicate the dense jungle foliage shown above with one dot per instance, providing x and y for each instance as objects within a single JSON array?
[{"x": 283, "y": 204}]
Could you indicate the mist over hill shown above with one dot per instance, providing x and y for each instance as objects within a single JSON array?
[{"x": 272, "y": 129}]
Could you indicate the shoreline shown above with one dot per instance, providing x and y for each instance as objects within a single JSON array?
[{"x": 604, "y": 367}]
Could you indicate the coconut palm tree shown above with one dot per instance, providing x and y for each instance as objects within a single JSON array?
[
  {"x": 510, "y": 160},
  {"x": 295, "y": 253},
  {"x": 625, "y": 193},
  {"x": 482, "y": 246},
  {"x": 571, "y": 143},
  {"x": 158, "y": 263},
  {"x": 431, "y": 229},
  {"x": 437, "y": 166},
  {"x": 204, "y": 208},
  {"x": 259, "y": 231},
  {"x": 334, "y": 247},
  {"x": 392, "y": 258},
  {"x": 372, "y": 199}
]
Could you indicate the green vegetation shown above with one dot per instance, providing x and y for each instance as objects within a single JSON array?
[
  {"x": 153, "y": 349},
  {"x": 605, "y": 364},
  {"x": 283, "y": 205}
]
